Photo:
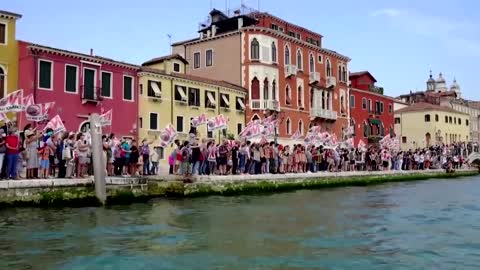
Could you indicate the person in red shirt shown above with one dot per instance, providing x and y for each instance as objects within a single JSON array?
[{"x": 12, "y": 142}]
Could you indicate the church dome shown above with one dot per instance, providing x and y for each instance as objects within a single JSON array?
[
  {"x": 455, "y": 86},
  {"x": 441, "y": 84}
]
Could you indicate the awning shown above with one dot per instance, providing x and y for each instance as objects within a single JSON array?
[
  {"x": 225, "y": 99},
  {"x": 211, "y": 99},
  {"x": 240, "y": 102},
  {"x": 181, "y": 91},
  {"x": 375, "y": 121},
  {"x": 156, "y": 89}
]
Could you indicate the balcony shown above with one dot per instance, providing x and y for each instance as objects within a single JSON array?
[
  {"x": 314, "y": 77},
  {"x": 91, "y": 94},
  {"x": 271, "y": 105},
  {"x": 325, "y": 114},
  {"x": 290, "y": 70},
  {"x": 331, "y": 82},
  {"x": 376, "y": 89}
]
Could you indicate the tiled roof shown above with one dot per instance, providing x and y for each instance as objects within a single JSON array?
[
  {"x": 165, "y": 58},
  {"x": 11, "y": 14},
  {"x": 88, "y": 57},
  {"x": 185, "y": 41},
  {"x": 360, "y": 73},
  {"x": 423, "y": 107},
  {"x": 195, "y": 78}
]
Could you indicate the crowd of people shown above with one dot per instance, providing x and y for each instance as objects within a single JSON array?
[
  {"x": 232, "y": 157},
  {"x": 37, "y": 154}
]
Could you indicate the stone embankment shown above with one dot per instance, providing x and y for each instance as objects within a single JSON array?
[{"x": 81, "y": 192}]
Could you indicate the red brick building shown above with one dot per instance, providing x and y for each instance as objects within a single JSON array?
[
  {"x": 371, "y": 112},
  {"x": 284, "y": 67}
]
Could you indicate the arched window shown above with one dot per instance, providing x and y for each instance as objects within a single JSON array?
[
  {"x": 255, "y": 118},
  {"x": 459, "y": 121},
  {"x": 340, "y": 78},
  {"x": 311, "y": 97},
  {"x": 437, "y": 118},
  {"x": 2, "y": 83},
  {"x": 427, "y": 117},
  {"x": 299, "y": 60},
  {"x": 352, "y": 124},
  {"x": 289, "y": 126},
  {"x": 255, "y": 89},
  {"x": 287, "y": 55},
  {"x": 255, "y": 50},
  {"x": 344, "y": 74},
  {"x": 274, "y": 52},
  {"x": 274, "y": 90},
  {"x": 265, "y": 89},
  {"x": 312, "y": 63},
  {"x": 300, "y": 97},
  {"x": 300, "y": 127},
  {"x": 450, "y": 119},
  {"x": 288, "y": 95},
  {"x": 329, "y": 68},
  {"x": 323, "y": 100}
]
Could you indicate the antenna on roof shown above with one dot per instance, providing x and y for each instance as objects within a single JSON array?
[
  {"x": 258, "y": 5},
  {"x": 170, "y": 42}
]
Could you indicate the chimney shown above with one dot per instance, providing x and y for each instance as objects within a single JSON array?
[
  {"x": 91, "y": 52},
  {"x": 214, "y": 30},
  {"x": 240, "y": 23}
]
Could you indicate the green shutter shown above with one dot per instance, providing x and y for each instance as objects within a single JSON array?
[
  {"x": 375, "y": 122},
  {"x": 106, "y": 84},
  {"x": 45, "y": 76},
  {"x": 127, "y": 88},
  {"x": 71, "y": 79}
]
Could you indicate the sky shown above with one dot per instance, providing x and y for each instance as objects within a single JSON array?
[{"x": 399, "y": 42}]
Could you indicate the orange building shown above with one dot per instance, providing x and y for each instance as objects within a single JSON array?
[{"x": 284, "y": 67}]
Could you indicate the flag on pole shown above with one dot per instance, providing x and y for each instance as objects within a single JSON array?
[
  {"x": 296, "y": 135},
  {"x": 56, "y": 124},
  {"x": 106, "y": 118},
  {"x": 13, "y": 102}
]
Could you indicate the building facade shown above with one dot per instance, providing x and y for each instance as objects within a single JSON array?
[
  {"x": 284, "y": 67},
  {"x": 423, "y": 124},
  {"x": 8, "y": 53},
  {"x": 371, "y": 112},
  {"x": 80, "y": 84},
  {"x": 169, "y": 96},
  {"x": 470, "y": 108}
]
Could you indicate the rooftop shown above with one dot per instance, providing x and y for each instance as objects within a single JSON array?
[
  {"x": 165, "y": 58},
  {"x": 361, "y": 73},
  {"x": 12, "y": 15},
  {"x": 424, "y": 107},
  {"x": 195, "y": 78}
]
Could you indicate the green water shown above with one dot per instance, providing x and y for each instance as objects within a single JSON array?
[{"x": 423, "y": 225}]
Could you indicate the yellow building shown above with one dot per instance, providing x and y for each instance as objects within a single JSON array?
[
  {"x": 169, "y": 96},
  {"x": 422, "y": 124},
  {"x": 8, "y": 53}
]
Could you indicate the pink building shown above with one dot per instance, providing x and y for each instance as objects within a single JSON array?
[{"x": 80, "y": 84}]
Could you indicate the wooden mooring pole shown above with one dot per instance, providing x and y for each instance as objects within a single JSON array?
[{"x": 99, "y": 163}]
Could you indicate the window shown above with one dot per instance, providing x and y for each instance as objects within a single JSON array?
[
  {"x": 274, "y": 90},
  {"x": 427, "y": 117},
  {"x": 340, "y": 78},
  {"x": 287, "y": 55},
  {"x": 239, "y": 128},
  {"x": 298, "y": 36},
  {"x": 459, "y": 121},
  {"x": 194, "y": 97},
  {"x": 265, "y": 89},
  {"x": 196, "y": 60},
  {"x": 254, "y": 50},
  {"x": 209, "y": 134},
  {"x": 446, "y": 119},
  {"x": 467, "y": 122},
  {"x": 160, "y": 151},
  {"x": 352, "y": 101},
  {"x": 299, "y": 60},
  {"x": 224, "y": 101},
  {"x": 364, "y": 103},
  {"x": 455, "y": 120},
  {"x": 450, "y": 119},
  {"x": 176, "y": 67},
  {"x": 140, "y": 89},
  {"x": 329, "y": 68},
  {"x": 3, "y": 33},
  {"x": 390, "y": 109},
  {"x": 274, "y": 52},
  {"x": 240, "y": 104},
  {"x": 153, "y": 121},
  {"x": 320, "y": 59},
  {"x": 288, "y": 96},
  {"x": 397, "y": 120},
  {"x": 300, "y": 127},
  {"x": 209, "y": 58},
  {"x": 404, "y": 139},
  {"x": 71, "y": 77},
  {"x": 300, "y": 97},
  {"x": 289, "y": 126},
  {"x": 127, "y": 88},
  {"x": 2, "y": 83},
  {"x": 366, "y": 130},
  {"x": 140, "y": 122},
  {"x": 210, "y": 102},
  {"x": 255, "y": 89},
  {"x": 312, "y": 63},
  {"x": 369, "y": 105},
  {"x": 180, "y": 93},
  {"x": 274, "y": 26},
  {"x": 45, "y": 74},
  {"x": 344, "y": 74},
  {"x": 437, "y": 118},
  {"x": 154, "y": 88},
  {"x": 292, "y": 34},
  {"x": 179, "y": 123},
  {"x": 107, "y": 84}
]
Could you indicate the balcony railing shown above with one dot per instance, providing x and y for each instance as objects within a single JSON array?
[
  {"x": 314, "y": 77},
  {"x": 331, "y": 82},
  {"x": 272, "y": 105},
  {"x": 376, "y": 89},
  {"x": 322, "y": 113},
  {"x": 290, "y": 70},
  {"x": 92, "y": 94}
]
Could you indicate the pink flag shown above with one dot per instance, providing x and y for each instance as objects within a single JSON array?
[
  {"x": 13, "y": 102},
  {"x": 296, "y": 135},
  {"x": 106, "y": 118},
  {"x": 38, "y": 112},
  {"x": 28, "y": 100},
  {"x": 168, "y": 135},
  {"x": 56, "y": 124},
  {"x": 199, "y": 120}
]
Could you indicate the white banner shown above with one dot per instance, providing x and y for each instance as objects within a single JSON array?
[{"x": 12, "y": 102}]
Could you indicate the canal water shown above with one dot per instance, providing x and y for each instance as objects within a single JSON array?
[{"x": 417, "y": 225}]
